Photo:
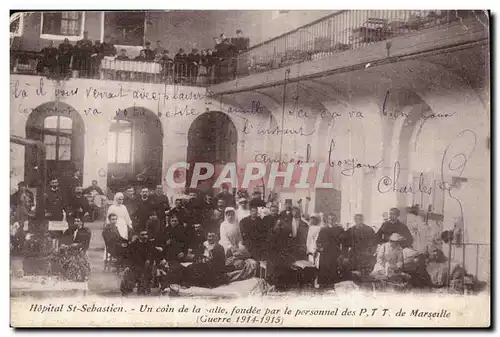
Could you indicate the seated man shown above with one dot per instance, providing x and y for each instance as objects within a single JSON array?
[
  {"x": 93, "y": 189},
  {"x": 196, "y": 243},
  {"x": 116, "y": 244},
  {"x": 173, "y": 240},
  {"x": 208, "y": 270},
  {"x": 173, "y": 250},
  {"x": 72, "y": 257},
  {"x": 139, "y": 260},
  {"x": 78, "y": 204}
]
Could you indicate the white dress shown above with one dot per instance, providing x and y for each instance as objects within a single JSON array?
[{"x": 230, "y": 236}]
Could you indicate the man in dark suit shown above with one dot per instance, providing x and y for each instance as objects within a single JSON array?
[
  {"x": 300, "y": 230},
  {"x": 286, "y": 215},
  {"x": 240, "y": 42},
  {"x": 394, "y": 226},
  {"x": 144, "y": 209},
  {"x": 270, "y": 220},
  {"x": 130, "y": 201},
  {"x": 78, "y": 204},
  {"x": 139, "y": 261},
  {"x": 161, "y": 204},
  {"x": 254, "y": 232},
  {"x": 54, "y": 203},
  {"x": 77, "y": 235}
]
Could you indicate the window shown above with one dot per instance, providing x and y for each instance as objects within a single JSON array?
[
  {"x": 127, "y": 28},
  {"x": 16, "y": 24},
  {"x": 120, "y": 142},
  {"x": 61, "y": 25},
  {"x": 57, "y": 131}
]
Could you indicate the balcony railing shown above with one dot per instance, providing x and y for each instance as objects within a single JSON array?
[
  {"x": 110, "y": 68},
  {"x": 340, "y": 32}
]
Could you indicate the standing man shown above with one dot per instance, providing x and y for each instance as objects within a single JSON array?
[
  {"x": 159, "y": 50},
  {"x": 360, "y": 244},
  {"x": 286, "y": 215},
  {"x": 65, "y": 55},
  {"x": 226, "y": 196},
  {"x": 85, "y": 48},
  {"x": 74, "y": 181},
  {"x": 54, "y": 202},
  {"x": 256, "y": 200},
  {"x": 161, "y": 204},
  {"x": 144, "y": 209},
  {"x": 130, "y": 201},
  {"x": 270, "y": 220},
  {"x": 394, "y": 226},
  {"x": 254, "y": 233},
  {"x": 49, "y": 59},
  {"x": 149, "y": 53},
  {"x": 240, "y": 63},
  {"x": 217, "y": 217},
  {"x": 240, "y": 41},
  {"x": 300, "y": 229}
]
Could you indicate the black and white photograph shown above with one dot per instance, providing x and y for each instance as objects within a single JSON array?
[{"x": 250, "y": 168}]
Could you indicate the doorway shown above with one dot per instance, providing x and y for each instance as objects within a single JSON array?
[{"x": 212, "y": 138}]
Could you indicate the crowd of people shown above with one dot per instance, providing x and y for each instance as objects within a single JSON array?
[
  {"x": 85, "y": 57},
  {"x": 207, "y": 241}
]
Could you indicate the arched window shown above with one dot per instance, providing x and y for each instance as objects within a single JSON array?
[
  {"x": 57, "y": 132},
  {"x": 120, "y": 142}
]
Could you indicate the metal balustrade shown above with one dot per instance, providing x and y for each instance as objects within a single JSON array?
[
  {"x": 110, "y": 68},
  {"x": 341, "y": 32}
]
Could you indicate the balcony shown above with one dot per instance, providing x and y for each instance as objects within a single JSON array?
[
  {"x": 348, "y": 38},
  {"x": 109, "y": 68}
]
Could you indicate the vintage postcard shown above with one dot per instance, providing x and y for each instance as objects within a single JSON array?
[{"x": 188, "y": 168}]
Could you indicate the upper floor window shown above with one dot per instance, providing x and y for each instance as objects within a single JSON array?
[
  {"x": 62, "y": 25},
  {"x": 16, "y": 24},
  {"x": 127, "y": 28}
]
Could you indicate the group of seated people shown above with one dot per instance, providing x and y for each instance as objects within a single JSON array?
[
  {"x": 224, "y": 239},
  {"x": 61, "y": 202},
  {"x": 209, "y": 241},
  {"x": 85, "y": 57}
]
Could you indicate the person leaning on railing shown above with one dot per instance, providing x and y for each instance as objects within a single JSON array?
[
  {"x": 180, "y": 63},
  {"x": 49, "y": 59},
  {"x": 167, "y": 65},
  {"x": 194, "y": 59},
  {"x": 64, "y": 57}
]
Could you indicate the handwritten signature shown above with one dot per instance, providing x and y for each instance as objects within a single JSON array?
[
  {"x": 391, "y": 184},
  {"x": 349, "y": 166},
  {"x": 453, "y": 163}
]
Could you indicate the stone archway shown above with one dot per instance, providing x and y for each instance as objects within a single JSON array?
[
  {"x": 62, "y": 130},
  {"x": 135, "y": 149},
  {"x": 212, "y": 138}
]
